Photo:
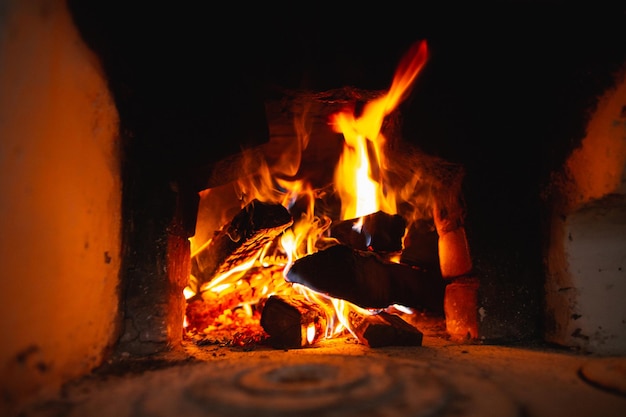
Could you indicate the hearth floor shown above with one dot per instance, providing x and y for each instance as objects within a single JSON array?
[{"x": 343, "y": 378}]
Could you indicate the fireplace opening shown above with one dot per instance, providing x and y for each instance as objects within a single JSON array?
[
  {"x": 336, "y": 228},
  {"x": 481, "y": 134}
]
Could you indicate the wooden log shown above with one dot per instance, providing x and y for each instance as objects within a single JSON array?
[
  {"x": 286, "y": 321},
  {"x": 380, "y": 232},
  {"x": 249, "y": 231},
  {"x": 421, "y": 246},
  {"x": 384, "y": 329},
  {"x": 366, "y": 279}
]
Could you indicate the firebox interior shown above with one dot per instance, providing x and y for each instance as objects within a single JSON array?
[{"x": 508, "y": 108}]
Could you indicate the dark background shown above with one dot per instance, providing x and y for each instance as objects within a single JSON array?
[{"x": 506, "y": 93}]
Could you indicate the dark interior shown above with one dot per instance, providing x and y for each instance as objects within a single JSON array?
[{"x": 505, "y": 93}]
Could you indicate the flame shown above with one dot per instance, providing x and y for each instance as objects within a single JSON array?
[
  {"x": 310, "y": 334},
  {"x": 358, "y": 176},
  {"x": 359, "y": 180},
  {"x": 188, "y": 292}
]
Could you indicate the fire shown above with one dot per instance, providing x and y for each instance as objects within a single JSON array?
[
  {"x": 234, "y": 298},
  {"x": 310, "y": 334},
  {"x": 358, "y": 176}
]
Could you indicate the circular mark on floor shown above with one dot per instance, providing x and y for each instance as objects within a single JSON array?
[
  {"x": 333, "y": 386},
  {"x": 608, "y": 374},
  {"x": 293, "y": 385}
]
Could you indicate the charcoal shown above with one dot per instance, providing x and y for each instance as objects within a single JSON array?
[
  {"x": 380, "y": 232},
  {"x": 366, "y": 279}
]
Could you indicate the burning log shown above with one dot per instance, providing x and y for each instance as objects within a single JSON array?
[
  {"x": 384, "y": 329},
  {"x": 288, "y": 320},
  {"x": 366, "y": 279},
  {"x": 421, "y": 246},
  {"x": 249, "y": 231},
  {"x": 380, "y": 232}
]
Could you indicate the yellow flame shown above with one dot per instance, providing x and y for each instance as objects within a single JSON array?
[
  {"x": 247, "y": 309},
  {"x": 360, "y": 183},
  {"x": 310, "y": 334},
  {"x": 359, "y": 192},
  {"x": 358, "y": 176},
  {"x": 228, "y": 279},
  {"x": 338, "y": 311},
  {"x": 188, "y": 293}
]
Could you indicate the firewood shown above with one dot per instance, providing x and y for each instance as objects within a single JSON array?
[
  {"x": 250, "y": 230},
  {"x": 421, "y": 245},
  {"x": 384, "y": 329},
  {"x": 286, "y": 320},
  {"x": 366, "y": 279},
  {"x": 380, "y": 232}
]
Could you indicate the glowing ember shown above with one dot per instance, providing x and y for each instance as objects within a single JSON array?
[
  {"x": 310, "y": 334},
  {"x": 233, "y": 300}
]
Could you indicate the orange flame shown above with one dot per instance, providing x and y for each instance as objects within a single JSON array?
[{"x": 358, "y": 180}]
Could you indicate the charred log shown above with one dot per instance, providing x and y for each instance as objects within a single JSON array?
[
  {"x": 250, "y": 230},
  {"x": 380, "y": 232},
  {"x": 367, "y": 280},
  {"x": 421, "y": 246},
  {"x": 286, "y": 320},
  {"x": 384, "y": 329}
]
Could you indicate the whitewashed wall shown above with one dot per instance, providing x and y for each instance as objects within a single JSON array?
[
  {"x": 586, "y": 252},
  {"x": 60, "y": 202}
]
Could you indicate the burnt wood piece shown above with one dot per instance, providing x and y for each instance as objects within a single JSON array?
[
  {"x": 366, "y": 279},
  {"x": 285, "y": 320},
  {"x": 421, "y": 245},
  {"x": 384, "y": 329},
  {"x": 256, "y": 225},
  {"x": 380, "y": 232}
]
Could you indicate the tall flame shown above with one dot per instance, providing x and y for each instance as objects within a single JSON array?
[{"x": 358, "y": 176}]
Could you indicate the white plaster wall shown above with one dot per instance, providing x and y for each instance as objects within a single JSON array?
[
  {"x": 60, "y": 202},
  {"x": 586, "y": 259},
  {"x": 596, "y": 252}
]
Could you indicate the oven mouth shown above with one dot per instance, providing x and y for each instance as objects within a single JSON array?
[
  {"x": 459, "y": 119},
  {"x": 387, "y": 263}
]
